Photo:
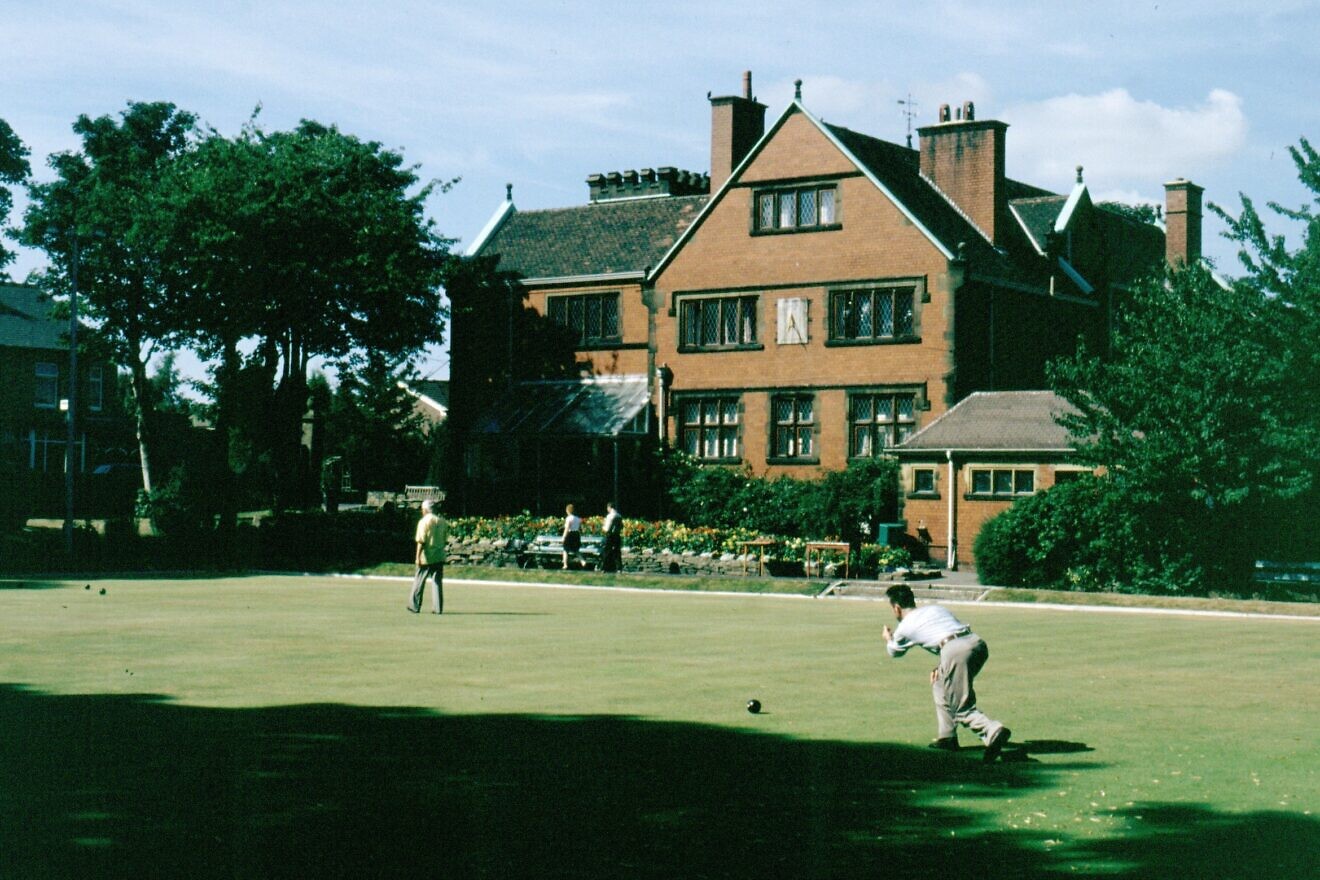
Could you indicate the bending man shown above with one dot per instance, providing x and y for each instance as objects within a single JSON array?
[{"x": 962, "y": 653}]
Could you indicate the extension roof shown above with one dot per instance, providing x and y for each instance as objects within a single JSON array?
[
  {"x": 26, "y": 322},
  {"x": 623, "y": 236},
  {"x": 997, "y": 421}
]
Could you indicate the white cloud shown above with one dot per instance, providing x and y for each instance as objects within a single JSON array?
[{"x": 1122, "y": 141}]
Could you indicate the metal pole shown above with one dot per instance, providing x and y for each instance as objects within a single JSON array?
[
  {"x": 953, "y": 514},
  {"x": 69, "y": 459}
]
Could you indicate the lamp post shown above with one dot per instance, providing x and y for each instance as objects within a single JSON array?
[{"x": 69, "y": 459}]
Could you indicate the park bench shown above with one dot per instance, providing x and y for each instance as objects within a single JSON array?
[
  {"x": 547, "y": 551},
  {"x": 1300, "y": 578}
]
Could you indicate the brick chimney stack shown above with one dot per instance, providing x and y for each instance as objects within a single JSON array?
[
  {"x": 1182, "y": 222},
  {"x": 964, "y": 157},
  {"x": 736, "y": 124}
]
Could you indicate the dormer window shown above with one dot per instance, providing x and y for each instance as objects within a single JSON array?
[{"x": 798, "y": 209}]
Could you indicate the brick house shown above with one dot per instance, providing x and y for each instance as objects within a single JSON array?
[
  {"x": 34, "y": 381},
  {"x": 990, "y": 449},
  {"x": 833, "y": 293}
]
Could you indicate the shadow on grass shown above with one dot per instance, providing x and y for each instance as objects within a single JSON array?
[{"x": 131, "y": 786}]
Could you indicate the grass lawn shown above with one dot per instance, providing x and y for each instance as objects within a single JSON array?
[{"x": 309, "y": 727}]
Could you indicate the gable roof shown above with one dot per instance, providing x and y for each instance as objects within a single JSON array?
[
  {"x": 997, "y": 421},
  {"x": 620, "y": 237},
  {"x": 26, "y": 322}
]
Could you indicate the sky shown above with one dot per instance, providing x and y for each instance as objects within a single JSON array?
[{"x": 541, "y": 94}]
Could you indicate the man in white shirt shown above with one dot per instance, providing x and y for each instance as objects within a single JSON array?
[{"x": 962, "y": 653}]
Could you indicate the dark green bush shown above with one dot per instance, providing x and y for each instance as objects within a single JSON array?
[
  {"x": 1084, "y": 535},
  {"x": 182, "y": 507}
]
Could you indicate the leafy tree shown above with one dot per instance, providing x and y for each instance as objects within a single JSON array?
[
  {"x": 317, "y": 244},
  {"x": 1203, "y": 417},
  {"x": 14, "y": 169},
  {"x": 100, "y": 207},
  {"x": 373, "y": 424},
  {"x": 1142, "y": 213}
]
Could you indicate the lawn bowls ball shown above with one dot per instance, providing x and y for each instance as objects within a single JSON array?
[{"x": 754, "y": 706}]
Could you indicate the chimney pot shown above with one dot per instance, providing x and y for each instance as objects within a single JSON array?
[
  {"x": 969, "y": 111},
  {"x": 944, "y": 113},
  {"x": 747, "y": 84}
]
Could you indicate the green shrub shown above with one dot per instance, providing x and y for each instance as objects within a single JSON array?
[
  {"x": 1085, "y": 535},
  {"x": 183, "y": 507}
]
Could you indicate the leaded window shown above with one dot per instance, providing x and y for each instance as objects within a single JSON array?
[
  {"x": 794, "y": 426},
  {"x": 879, "y": 421},
  {"x": 800, "y": 208},
  {"x": 718, "y": 322},
  {"x": 872, "y": 314},
  {"x": 1003, "y": 482},
  {"x": 594, "y": 316},
  {"x": 710, "y": 427}
]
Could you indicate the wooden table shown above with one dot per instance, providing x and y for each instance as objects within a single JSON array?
[
  {"x": 821, "y": 547},
  {"x": 762, "y": 544}
]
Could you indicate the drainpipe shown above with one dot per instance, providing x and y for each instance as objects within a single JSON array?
[{"x": 953, "y": 525}]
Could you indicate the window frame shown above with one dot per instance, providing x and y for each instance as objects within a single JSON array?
[
  {"x": 846, "y": 307},
  {"x": 95, "y": 388},
  {"x": 996, "y": 475},
  {"x": 795, "y": 428},
  {"x": 560, "y": 308},
  {"x": 916, "y": 490},
  {"x": 769, "y": 204},
  {"x": 43, "y": 380},
  {"x": 721, "y": 428},
  {"x": 692, "y": 316},
  {"x": 898, "y": 428}
]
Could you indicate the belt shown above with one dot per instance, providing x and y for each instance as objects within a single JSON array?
[{"x": 944, "y": 641}]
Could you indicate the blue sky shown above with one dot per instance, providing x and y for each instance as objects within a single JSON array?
[{"x": 541, "y": 94}]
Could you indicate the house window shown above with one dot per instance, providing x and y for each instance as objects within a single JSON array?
[
  {"x": 718, "y": 322},
  {"x": 48, "y": 386},
  {"x": 794, "y": 425},
  {"x": 593, "y": 316},
  {"x": 710, "y": 427},
  {"x": 803, "y": 208},
  {"x": 923, "y": 481},
  {"x": 95, "y": 389},
  {"x": 1003, "y": 482},
  {"x": 870, "y": 315},
  {"x": 879, "y": 421}
]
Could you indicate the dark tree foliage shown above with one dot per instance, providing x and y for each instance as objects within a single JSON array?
[
  {"x": 1143, "y": 213},
  {"x": 309, "y": 244},
  {"x": 104, "y": 203},
  {"x": 373, "y": 425},
  {"x": 1207, "y": 415},
  {"x": 14, "y": 170}
]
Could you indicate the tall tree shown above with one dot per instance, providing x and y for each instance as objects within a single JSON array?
[
  {"x": 374, "y": 424},
  {"x": 14, "y": 170},
  {"x": 98, "y": 212},
  {"x": 1207, "y": 414},
  {"x": 318, "y": 246}
]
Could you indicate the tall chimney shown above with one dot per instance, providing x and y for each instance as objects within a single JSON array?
[
  {"x": 1182, "y": 222},
  {"x": 965, "y": 159},
  {"x": 736, "y": 124}
]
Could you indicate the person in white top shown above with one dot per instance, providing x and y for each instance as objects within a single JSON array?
[
  {"x": 962, "y": 653},
  {"x": 572, "y": 534}
]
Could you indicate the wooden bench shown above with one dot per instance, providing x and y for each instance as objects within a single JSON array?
[{"x": 547, "y": 551}]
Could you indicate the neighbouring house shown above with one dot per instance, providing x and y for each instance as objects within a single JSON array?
[
  {"x": 824, "y": 295},
  {"x": 975, "y": 460},
  {"x": 34, "y": 393},
  {"x": 430, "y": 398}
]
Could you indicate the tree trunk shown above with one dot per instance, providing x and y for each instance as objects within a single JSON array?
[{"x": 146, "y": 410}]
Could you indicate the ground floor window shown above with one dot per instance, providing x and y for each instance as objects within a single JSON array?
[
  {"x": 46, "y": 452},
  {"x": 923, "y": 481},
  {"x": 709, "y": 427},
  {"x": 1003, "y": 482},
  {"x": 879, "y": 421},
  {"x": 794, "y": 426}
]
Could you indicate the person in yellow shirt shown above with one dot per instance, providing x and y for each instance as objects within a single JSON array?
[{"x": 432, "y": 535}]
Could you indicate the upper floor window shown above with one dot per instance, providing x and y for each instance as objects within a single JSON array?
[
  {"x": 47, "y": 386},
  {"x": 810, "y": 207},
  {"x": 710, "y": 427},
  {"x": 1003, "y": 482},
  {"x": 873, "y": 314},
  {"x": 794, "y": 425},
  {"x": 879, "y": 421},
  {"x": 593, "y": 316},
  {"x": 95, "y": 389},
  {"x": 717, "y": 322}
]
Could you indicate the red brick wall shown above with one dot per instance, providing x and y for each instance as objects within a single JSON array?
[
  {"x": 876, "y": 243},
  {"x": 633, "y": 326}
]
